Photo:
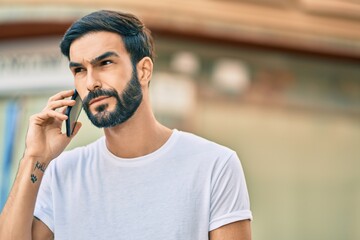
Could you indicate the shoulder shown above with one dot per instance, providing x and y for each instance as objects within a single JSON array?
[{"x": 189, "y": 143}]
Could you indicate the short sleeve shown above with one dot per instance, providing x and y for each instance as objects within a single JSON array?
[
  {"x": 44, "y": 201},
  {"x": 229, "y": 194}
]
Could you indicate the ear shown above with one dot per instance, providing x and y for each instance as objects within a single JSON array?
[{"x": 144, "y": 70}]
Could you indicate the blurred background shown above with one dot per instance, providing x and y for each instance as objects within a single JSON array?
[{"x": 276, "y": 80}]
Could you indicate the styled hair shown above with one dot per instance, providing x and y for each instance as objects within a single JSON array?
[{"x": 136, "y": 37}]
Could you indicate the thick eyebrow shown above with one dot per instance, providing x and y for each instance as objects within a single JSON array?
[
  {"x": 95, "y": 60},
  {"x": 103, "y": 56},
  {"x": 74, "y": 64}
]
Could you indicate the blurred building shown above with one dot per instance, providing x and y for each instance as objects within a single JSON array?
[{"x": 276, "y": 80}]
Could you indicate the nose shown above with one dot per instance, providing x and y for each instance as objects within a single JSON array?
[{"x": 92, "y": 80}]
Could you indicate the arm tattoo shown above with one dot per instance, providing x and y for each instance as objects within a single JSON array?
[
  {"x": 33, "y": 178},
  {"x": 41, "y": 167}
]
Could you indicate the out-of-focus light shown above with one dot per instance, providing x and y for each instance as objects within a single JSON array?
[
  {"x": 185, "y": 62},
  {"x": 173, "y": 94},
  {"x": 231, "y": 76}
]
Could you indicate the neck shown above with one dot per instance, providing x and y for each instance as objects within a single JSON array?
[{"x": 138, "y": 136}]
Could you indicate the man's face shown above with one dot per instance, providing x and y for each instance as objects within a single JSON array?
[
  {"x": 126, "y": 104},
  {"x": 105, "y": 78}
]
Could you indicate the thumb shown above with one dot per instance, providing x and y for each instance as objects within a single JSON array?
[{"x": 76, "y": 129}]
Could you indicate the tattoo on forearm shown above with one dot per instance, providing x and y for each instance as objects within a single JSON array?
[
  {"x": 41, "y": 167},
  {"x": 33, "y": 178}
]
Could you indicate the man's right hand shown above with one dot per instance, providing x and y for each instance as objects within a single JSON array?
[
  {"x": 44, "y": 142},
  {"x": 44, "y": 139}
]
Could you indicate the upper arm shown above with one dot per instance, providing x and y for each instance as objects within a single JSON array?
[
  {"x": 40, "y": 231},
  {"x": 240, "y": 230},
  {"x": 229, "y": 199}
]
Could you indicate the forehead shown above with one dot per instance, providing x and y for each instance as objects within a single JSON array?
[{"x": 94, "y": 44}]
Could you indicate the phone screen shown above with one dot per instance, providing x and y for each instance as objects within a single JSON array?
[{"x": 73, "y": 113}]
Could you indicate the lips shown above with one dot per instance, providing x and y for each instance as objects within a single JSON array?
[{"x": 98, "y": 99}]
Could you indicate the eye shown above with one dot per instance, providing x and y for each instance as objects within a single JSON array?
[
  {"x": 106, "y": 62},
  {"x": 78, "y": 70}
]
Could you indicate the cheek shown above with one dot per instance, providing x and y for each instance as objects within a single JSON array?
[
  {"x": 114, "y": 78},
  {"x": 81, "y": 89}
]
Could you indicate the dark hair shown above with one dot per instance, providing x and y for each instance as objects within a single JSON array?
[{"x": 137, "y": 38}]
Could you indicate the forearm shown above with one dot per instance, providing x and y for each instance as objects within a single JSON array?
[
  {"x": 17, "y": 216},
  {"x": 240, "y": 230}
]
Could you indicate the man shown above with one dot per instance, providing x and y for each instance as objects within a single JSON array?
[{"x": 141, "y": 180}]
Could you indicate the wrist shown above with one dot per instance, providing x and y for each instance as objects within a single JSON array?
[
  {"x": 29, "y": 157},
  {"x": 34, "y": 163}
]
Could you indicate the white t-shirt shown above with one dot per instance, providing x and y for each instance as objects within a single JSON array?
[{"x": 183, "y": 190}]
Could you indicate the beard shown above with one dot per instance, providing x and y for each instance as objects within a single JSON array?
[{"x": 126, "y": 104}]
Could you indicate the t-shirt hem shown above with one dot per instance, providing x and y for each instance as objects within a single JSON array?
[
  {"x": 45, "y": 219},
  {"x": 230, "y": 218}
]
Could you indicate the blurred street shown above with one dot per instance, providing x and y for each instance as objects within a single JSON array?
[{"x": 278, "y": 81}]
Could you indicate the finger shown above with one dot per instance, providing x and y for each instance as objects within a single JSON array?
[
  {"x": 60, "y": 103},
  {"x": 46, "y": 115},
  {"x": 62, "y": 109},
  {"x": 76, "y": 129},
  {"x": 61, "y": 95}
]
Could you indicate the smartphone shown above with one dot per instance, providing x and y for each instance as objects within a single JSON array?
[{"x": 73, "y": 113}]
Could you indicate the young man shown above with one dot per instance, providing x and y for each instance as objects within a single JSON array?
[{"x": 141, "y": 180}]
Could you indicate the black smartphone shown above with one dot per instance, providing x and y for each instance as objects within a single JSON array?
[{"x": 73, "y": 113}]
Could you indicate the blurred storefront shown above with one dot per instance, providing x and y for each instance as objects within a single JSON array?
[{"x": 277, "y": 81}]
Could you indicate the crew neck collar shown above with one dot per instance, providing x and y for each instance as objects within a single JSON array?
[{"x": 142, "y": 159}]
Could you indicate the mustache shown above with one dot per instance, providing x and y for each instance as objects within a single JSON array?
[{"x": 97, "y": 93}]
